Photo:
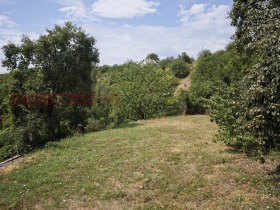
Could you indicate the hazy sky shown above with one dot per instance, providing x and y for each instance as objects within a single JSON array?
[{"x": 124, "y": 29}]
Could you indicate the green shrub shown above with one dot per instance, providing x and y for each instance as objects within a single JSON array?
[
  {"x": 11, "y": 142},
  {"x": 144, "y": 92},
  {"x": 96, "y": 125},
  {"x": 179, "y": 68},
  {"x": 188, "y": 104},
  {"x": 7, "y": 151}
]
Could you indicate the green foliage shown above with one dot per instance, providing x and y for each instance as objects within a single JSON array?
[
  {"x": 96, "y": 124},
  {"x": 6, "y": 152},
  {"x": 185, "y": 57},
  {"x": 5, "y": 85},
  {"x": 12, "y": 141},
  {"x": 215, "y": 71},
  {"x": 99, "y": 114},
  {"x": 204, "y": 53},
  {"x": 144, "y": 92},
  {"x": 224, "y": 110},
  {"x": 71, "y": 53},
  {"x": 165, "y": 63},
  {"x": 59, "y": 62},
  {"x": 104, "y": 69},
  {"x": 257, "y": 30},
  {"x": 248, "y": 110},
  {"x": 153, "y": 57},
  {"x": 179, "y": 68},
  {"x": 188, "y": 103}
]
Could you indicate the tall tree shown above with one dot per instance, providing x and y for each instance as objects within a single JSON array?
[
  {"x": 153, "y": 57},
  {"x": 60, "y": 61},
  {"x": 64, "y": 55},
  {"x": 257, "y": 34},
  {"x": 185, "y": 57}
]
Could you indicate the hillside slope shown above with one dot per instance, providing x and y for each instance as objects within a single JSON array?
[
  {"x": 184, "y": 84},
  {"x": 168, "y": 163}
]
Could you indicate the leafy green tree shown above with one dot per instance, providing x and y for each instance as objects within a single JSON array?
[
  {"x": 213, "y": 71},
  {"x": 144, "y": 92},
  {"x": 164, "y": 63},
  {"x": 59, "y": 62},
  {"x": 5, "y": 86},
  {"x": 104, "y": 69},
  {"x": 153, "y": 57},
  {"x": 204, "y": 53},
  {"x": 248, "y": 111},
  {"x": 64, "y": 55},
  {"x": 257, "y": 34},
  {"x": 179, "y": 68},
  {"x": 185, "y": 57}
]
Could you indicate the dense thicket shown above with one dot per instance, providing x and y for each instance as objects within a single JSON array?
[
  {"x": 248, "y": 109},
  {"x": 257, "y": 34},
  {"x": 213, "y": 73},
  {"x": 144, "y": 91},
  {"x": 59, "y": 62},
  {"x": 179, "y": 68},
  {"x": 64, "y": 62},
  {"x": 239, "y": 86}
]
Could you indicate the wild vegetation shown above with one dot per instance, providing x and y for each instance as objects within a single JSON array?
[
  {"x": 55, "y": 84},
  {"x": 59, "y": 62},
  {"x": 237, "y": 86},
  {"x": 240, "y": 86}
]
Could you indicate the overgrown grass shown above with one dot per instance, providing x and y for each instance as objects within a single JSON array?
[{"x": 168, "y": 163}]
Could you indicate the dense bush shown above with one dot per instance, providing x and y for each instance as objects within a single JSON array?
[
  {"x": 99, "y": 114},
  {"x": 43, "y": 68},
  {"x": 186, "y": 58},
  {"x": 144, "y": 91},
  {"x": 249, "y": 111},
  {"x": 257, "y": 31},
  {"x": 165, "y": 63},
  {"x": 5, "y": 84},
  {"x": 179, "y": 68},
  {"x": 188, "y": 103},
  {"x": 12, "y": 141},
  {"x": 215, "y": 71}
]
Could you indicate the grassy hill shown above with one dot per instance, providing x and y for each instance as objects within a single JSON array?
[{"x": 168, "y": 163}]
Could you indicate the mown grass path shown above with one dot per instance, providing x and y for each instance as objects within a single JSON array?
[{"x": 168, "y": 163}]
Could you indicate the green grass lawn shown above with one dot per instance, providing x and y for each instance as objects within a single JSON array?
[{"x": 168, "y": 163}]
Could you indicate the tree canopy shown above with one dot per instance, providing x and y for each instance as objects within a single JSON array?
[
  {"x": 248, "y": 110},
  {"x": 179, "y": 68},
  {"x": 145, "y": 91},
  {"x": 58, "y": 62},
  {"x": 185, "y": 57},
  {"x": 64, "y": 56},
  {"x": 153, "y": 57},
  {"x": 257, "y": 34}
]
